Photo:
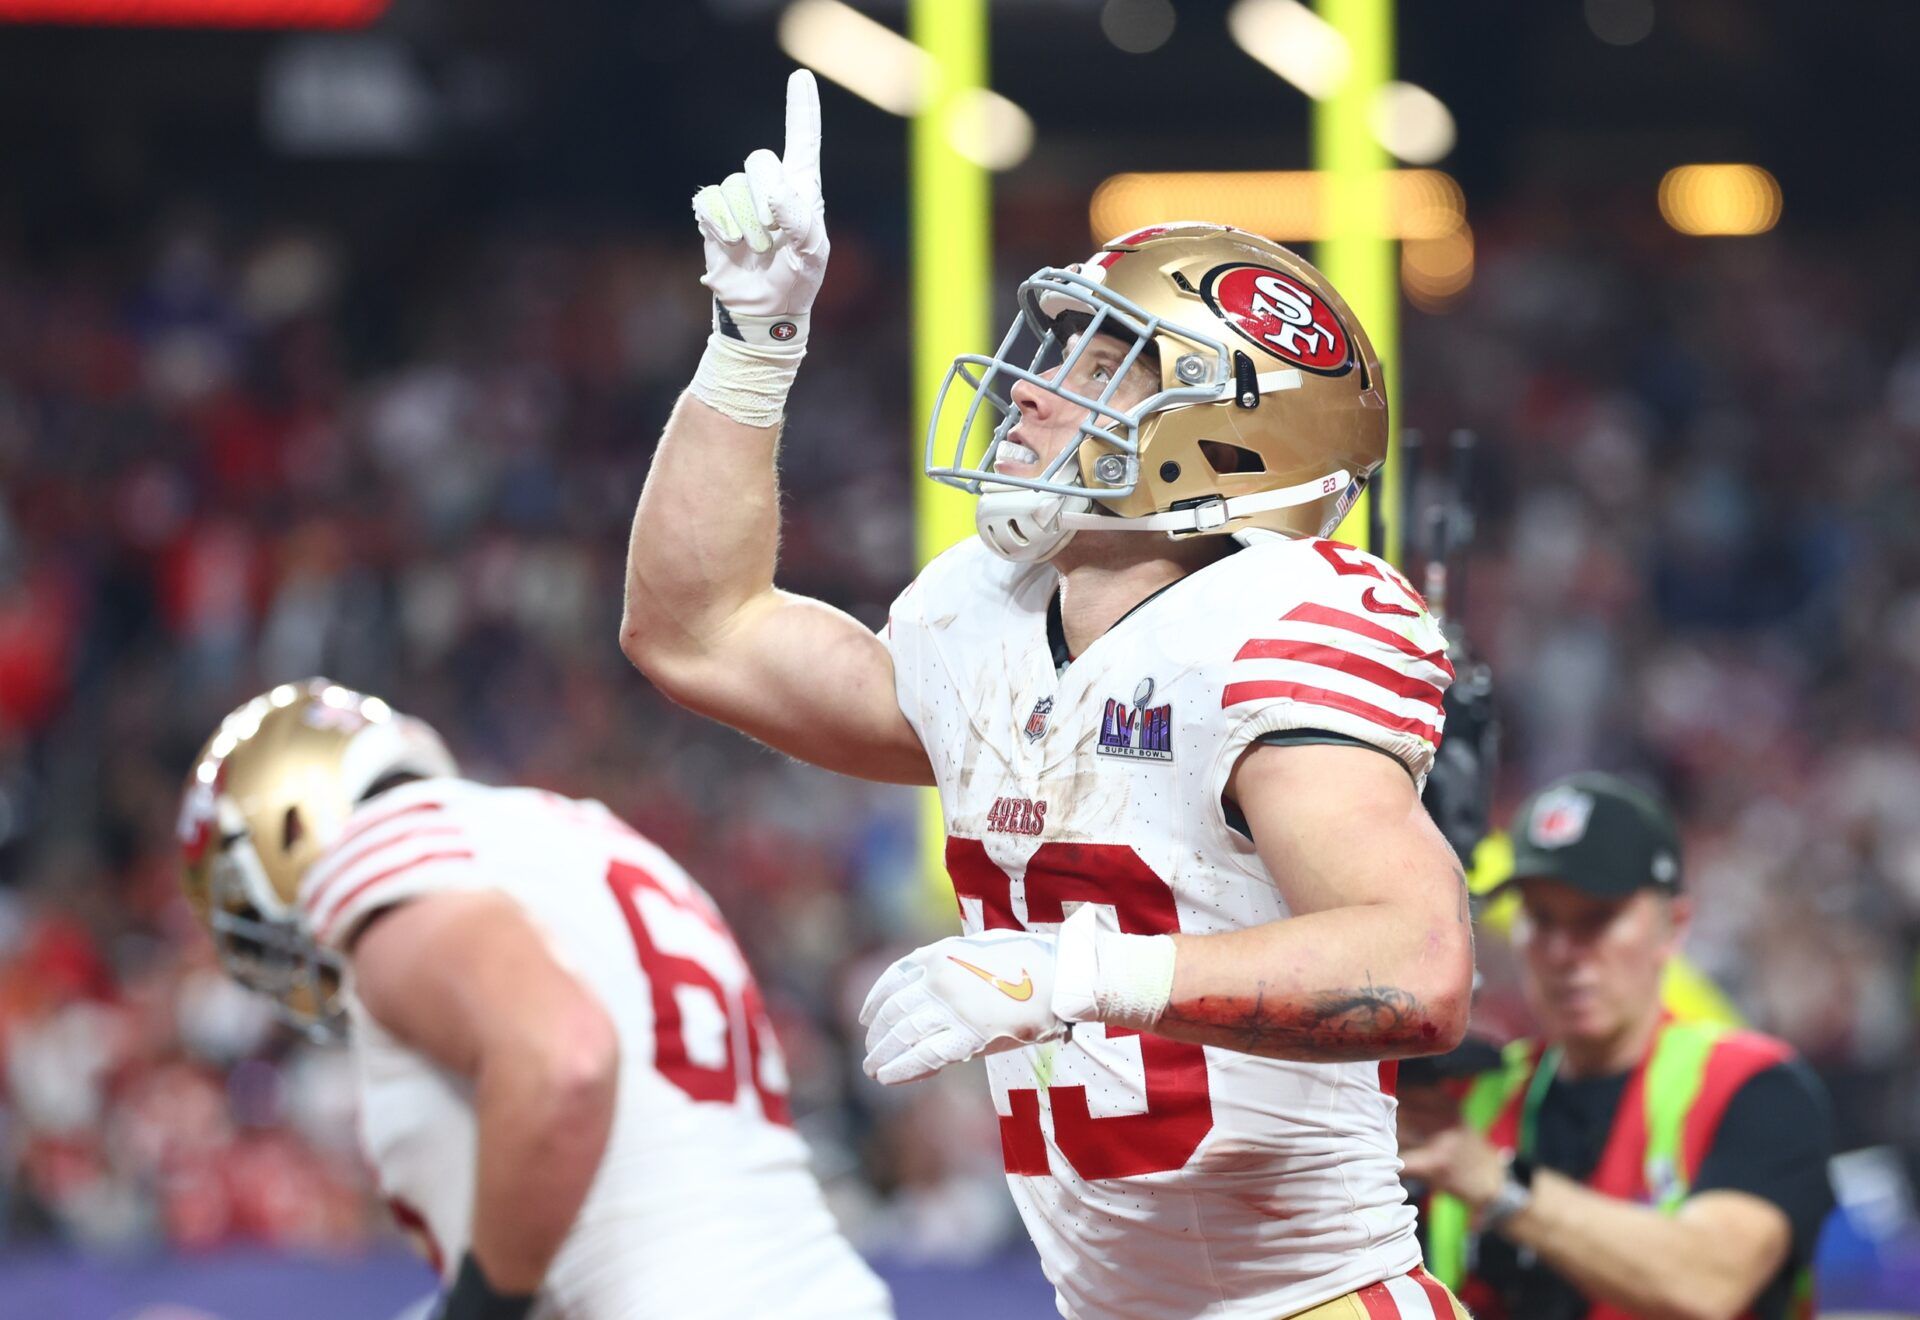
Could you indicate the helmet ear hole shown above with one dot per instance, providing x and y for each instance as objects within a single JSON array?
[
  {"x": 1231, "y": 459},
  {"x": 292, "y": 830}
]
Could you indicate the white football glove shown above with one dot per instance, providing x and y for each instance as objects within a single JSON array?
[
  {"x": 766, "y": 233},
  {"x": 979, "y": 994},
  {"x": 956, "y": 998}
]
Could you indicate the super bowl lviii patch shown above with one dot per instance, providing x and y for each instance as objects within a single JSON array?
[{"x": 1140, "y": 732}]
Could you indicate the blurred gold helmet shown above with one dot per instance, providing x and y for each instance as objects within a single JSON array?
[
  {"x": 1270, "y": 414},
  {"x": 268, "y": 796}
]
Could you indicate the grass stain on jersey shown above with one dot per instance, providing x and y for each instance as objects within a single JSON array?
[{"x": 1043, "y": 1065}]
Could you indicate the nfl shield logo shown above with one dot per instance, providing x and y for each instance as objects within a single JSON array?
[
  {"x": 1560, "y": 818},
  {"x": 1037, "y": 722}
]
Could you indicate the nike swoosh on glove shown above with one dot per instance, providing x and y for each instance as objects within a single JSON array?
[
  {"x": 765, "y": 230},
  {"x": 958, "y": 998}
]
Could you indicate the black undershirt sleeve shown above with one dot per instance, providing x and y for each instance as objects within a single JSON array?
[
  {"x": 1237, "y": 820},
  {"x": 1774, "y": 1143},
  {"x": 1319, "y": 738}
]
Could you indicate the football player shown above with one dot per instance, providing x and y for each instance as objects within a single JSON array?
[
  {"x": 569, "y": 1089},
  {"x": 1178, "y": 737}
]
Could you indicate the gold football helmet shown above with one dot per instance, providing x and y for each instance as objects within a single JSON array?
[
  {"x": 1270, "y": 413},
  {"x": 268, "y": 795}
]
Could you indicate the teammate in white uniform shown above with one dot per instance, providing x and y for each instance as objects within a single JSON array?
[
  {"x": 569, "y": 1089},
  {"x": 1201, "y": 897}
]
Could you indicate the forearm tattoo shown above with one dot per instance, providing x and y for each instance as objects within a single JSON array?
[{"x": 1367, "y": 1022}]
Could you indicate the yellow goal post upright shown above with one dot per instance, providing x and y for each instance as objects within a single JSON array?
[
  {"x": 951, "y": 213},
  {"x": 1359, "y": 254}
]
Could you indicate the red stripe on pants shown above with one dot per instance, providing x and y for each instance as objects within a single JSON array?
[
  {"x": 1442, "y": 1304},
  {"x": 1379, "y": 1302}
]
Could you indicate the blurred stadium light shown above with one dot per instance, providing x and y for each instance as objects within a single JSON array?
[
  {"x": 1316, "y": 57},
  {"x": 1708, "y": 200},
  {"x": 1426, "y": 211},
  {"x": 1138, "y": 27},
  {"x": 866, "y": 57},
  {"x": 1294, "y": 42},
  {"x": 1435, "y": 270},
  {"x": 346, "y": 94},
  {"x": 1288, "y": 205},
  {"x": 879, "y": 65},
  {"x": 1412, "y": 123},
  {"x": 989, "y": 130}
]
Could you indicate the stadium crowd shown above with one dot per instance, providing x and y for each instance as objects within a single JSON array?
[{"x": 231, "y": 458}]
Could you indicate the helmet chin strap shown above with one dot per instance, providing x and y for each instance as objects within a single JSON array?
[{"x": 1031, "y": 526}]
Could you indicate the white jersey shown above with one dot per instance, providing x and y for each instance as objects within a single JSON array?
[
  {"x": 704, "y": 1205},
  {"x": 1160, "y": 1178}
]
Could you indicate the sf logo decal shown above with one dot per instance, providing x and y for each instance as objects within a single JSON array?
[{"x": 1280, "y": 315}]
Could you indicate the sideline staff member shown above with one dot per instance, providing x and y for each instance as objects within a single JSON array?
[{"x": 1627, "y": 1165}]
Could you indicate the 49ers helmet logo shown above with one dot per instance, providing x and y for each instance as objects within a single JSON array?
[{"x": 1280, "y": 314}]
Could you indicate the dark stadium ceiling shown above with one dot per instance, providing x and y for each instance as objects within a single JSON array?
[{"x": 614, "y": 108}]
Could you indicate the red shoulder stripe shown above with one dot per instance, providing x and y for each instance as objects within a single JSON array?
[
  {"x": 346, "y": 901},
  {"x": 1313, "y": 696},
  {"x": 359, "y": 827},
  {"x": 1332, "y": 657},
  {"x": 1332, "y": 618},
  {"x": 345, "y": 868}
]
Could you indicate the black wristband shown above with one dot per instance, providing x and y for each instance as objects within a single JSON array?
[
  {"x": 473, "y": 1298},
  {"x": 1520, "y": 1169}
]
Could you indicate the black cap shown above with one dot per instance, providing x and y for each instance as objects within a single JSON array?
[{"x": 1599, "y": 834}]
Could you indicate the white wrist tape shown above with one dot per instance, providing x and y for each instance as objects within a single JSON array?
[
  {"x": 1104, "y": 976},
  {"x": 748, "y": 383}
]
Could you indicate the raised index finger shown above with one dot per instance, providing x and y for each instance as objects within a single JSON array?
[{"x": 802, "y": 155}]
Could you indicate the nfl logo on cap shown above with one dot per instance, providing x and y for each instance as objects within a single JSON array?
[{"x": 1560, "y": 818}]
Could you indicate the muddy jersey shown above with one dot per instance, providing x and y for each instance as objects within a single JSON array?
[
  {"x": 704, "y": 1205},
  {"x": 1160, "y": 1178}
]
